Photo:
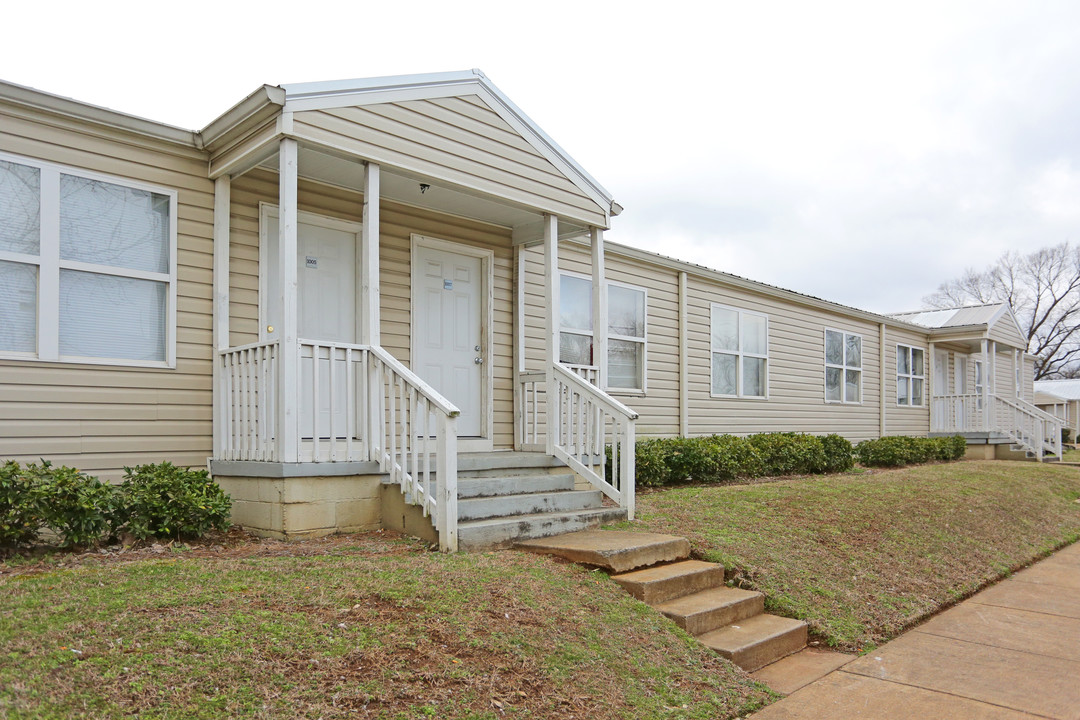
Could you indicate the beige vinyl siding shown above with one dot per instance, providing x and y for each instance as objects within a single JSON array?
[
  {"x": 397, "y": 224},
  {"x": 96, "y": 417},
  {"x": 796, "y": 354},
  {"x": 1028, "y": 379},
  {"x": 457, "y": 140},
  {"x": 906, "y": 420},
  {"x": 1004, "y": 373},
  {"x": 1004, "y": 332}
]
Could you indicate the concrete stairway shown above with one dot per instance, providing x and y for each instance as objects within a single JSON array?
[
  {"x": 656, "y": 569},
  {"x": 506, "y": 497}
]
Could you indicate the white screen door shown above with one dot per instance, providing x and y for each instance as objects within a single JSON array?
[
  {"x": 326, "y": 305},
  {"x": 941, "y": 388},
  {"x": 448, "y": 338}
]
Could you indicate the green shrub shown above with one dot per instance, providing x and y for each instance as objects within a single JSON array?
[
  {"x": 1066, "y": 435},
  {"x": 839, "y": 454},
  {"x": 790, "y": 453},
  {"x": 734, "y": 457},
  {"x": 20, "y": 516},
  {"x": 78, "y": 507},
  {"x": 689, "y": 459},
  {"x": 164, "y": 500},
  {"x": 902, "y": 450}
]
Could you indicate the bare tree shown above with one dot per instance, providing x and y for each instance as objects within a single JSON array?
[{"x": 1043, "y": 289}]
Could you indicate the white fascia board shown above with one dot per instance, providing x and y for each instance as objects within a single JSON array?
[
  {"x": 68, "y": 107},
  {"x": 700, "y": 271},
  {"x": 249, "y": 112},
  {"x": 402, "y": 88}
]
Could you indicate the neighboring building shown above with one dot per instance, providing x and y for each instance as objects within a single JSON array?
[
  {"x": 339, "y": 288},
  {"x": 1061, "y": 398}
]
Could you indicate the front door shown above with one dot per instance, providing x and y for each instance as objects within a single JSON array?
[
  {"x": 326, "y": 307},
  {"x": 448, "y": 338},
  {"x": 941, "y": 389}
]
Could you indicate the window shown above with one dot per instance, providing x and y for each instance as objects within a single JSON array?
[
  {"x": 910, "y": 375},
  {"x": 575, "y": 320},
  {"x": 90, "y": 264},
  {"x": 979, "y": 383},
  {"x": 740, "y": 352},
  {"x": 626, "y": 337},
  {"x": 625, "y": 330},
  {"x": 843, "y": 367}
]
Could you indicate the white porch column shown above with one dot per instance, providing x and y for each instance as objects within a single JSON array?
[
  {"x": 985, "y": 418},
  {"x": 369, "y": 259},
  {"x": 599, "y": 308},
  {"x": 935, "y": 406},
  {"x": 222, "y": 199},
  {"x": 288, "y": 405},
  {"x": 551, "y": 323}
]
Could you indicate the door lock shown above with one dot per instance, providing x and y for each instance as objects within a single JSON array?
[{"x": 477, "y": 348}]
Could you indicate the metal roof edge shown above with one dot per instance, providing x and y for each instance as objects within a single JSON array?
[
  {"x": 756, "y": 286},
  {"x": 261, "y": 104},
  {"x": 79, "y": 110}
]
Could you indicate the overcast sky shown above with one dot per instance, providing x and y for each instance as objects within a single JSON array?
[{"x": 862, "y": 152}]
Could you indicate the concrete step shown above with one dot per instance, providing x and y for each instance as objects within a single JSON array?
[
  {"x": 709, "y": 609},
  {"x": 504, "y": 532},
  {"x": 503, "y": 484},
  {"x": 659, "y": 583},
  {"x": 755, "y": 642},
  {"x": 503, "y": 506},
  {"x": 617, "y": 551},
  {"x": 481, "y": 462}
]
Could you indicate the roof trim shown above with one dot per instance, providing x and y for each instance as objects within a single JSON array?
[
  {"x": 755, "y": 286},
  {"x": 254, "y": 110},
  {"x": 78, "y": 110},
  {"x": 396, "y": 88}
]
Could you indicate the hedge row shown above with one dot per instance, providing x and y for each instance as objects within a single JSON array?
[
  {"x": 723, "y": 458},
  {"x": 153, "y": 501},
  {"x": 901, "y": 450}
]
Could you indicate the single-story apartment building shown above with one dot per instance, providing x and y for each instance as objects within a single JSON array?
[
  {"x": 390, "y": 303},
  {"x": 1060, "y": 398}
]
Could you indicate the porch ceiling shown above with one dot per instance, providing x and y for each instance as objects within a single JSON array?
[{"x": 439, "y": 196}]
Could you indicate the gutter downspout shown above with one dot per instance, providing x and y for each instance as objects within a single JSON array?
[{"x": 881, "y": 367}]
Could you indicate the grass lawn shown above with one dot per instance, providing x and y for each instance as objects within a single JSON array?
[
  {"x": 1070, "y": 455},
  {"x": 863, "y": 556},
  {"x": 368, "y": 626}
]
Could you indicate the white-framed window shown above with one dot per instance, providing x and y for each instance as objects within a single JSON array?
[
  {"x": 626, "y": 330},
  {"x": 910, "y": 376},
  {"x": 979, "y": 381},
  {"x": 843, "y": 367},
  {"x": 88, "y": 266},
  {"x": 626, "y": 336},
  {"x": 740, "y": 353},
  {"x": 575, "y": 320}
]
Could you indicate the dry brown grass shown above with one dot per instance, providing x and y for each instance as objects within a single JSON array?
[
  {"x": 862, "y": 557},
  {"x": 364, "y": 626}
]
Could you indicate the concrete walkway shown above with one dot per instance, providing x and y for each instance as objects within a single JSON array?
[{"x": 1012, "y": 651}]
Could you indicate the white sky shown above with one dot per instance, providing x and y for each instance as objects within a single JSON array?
[{"x": 861, "y": 152}]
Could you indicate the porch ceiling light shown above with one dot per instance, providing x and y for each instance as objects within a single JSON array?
[{"x": 424, "y": 187}]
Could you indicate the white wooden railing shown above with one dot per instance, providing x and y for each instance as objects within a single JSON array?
[
  {"x": 1033, "y": 429},
  {"x": 354, "y": 403},
  {"x": 592, "y": 432},
  {"x": 1036, "y": 431},
  {"x": 248, "y": 378}
]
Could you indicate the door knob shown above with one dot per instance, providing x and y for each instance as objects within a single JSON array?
[{"x": 477, "y": 360}]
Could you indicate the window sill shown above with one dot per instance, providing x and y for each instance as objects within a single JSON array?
[
  {"x": 752, "y": 398},
  {"x": 108, "y": 362}
]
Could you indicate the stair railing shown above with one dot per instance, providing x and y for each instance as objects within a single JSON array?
[{"x": 1038, "y": 432}]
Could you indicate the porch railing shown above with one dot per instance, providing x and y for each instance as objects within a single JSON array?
[
  {"x": 592, "y": 432},
  {"x": 1035, "y": 430},
  {"x": 354, "y": 403}
]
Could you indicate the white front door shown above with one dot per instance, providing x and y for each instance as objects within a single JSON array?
[
  {"x": 941, "y": 388},
  {"x": 448, "y": 338},
  {"x": 326, "y": 306}
]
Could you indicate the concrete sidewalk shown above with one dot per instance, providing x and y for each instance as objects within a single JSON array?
[{"x": 1012, "y": 651}]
